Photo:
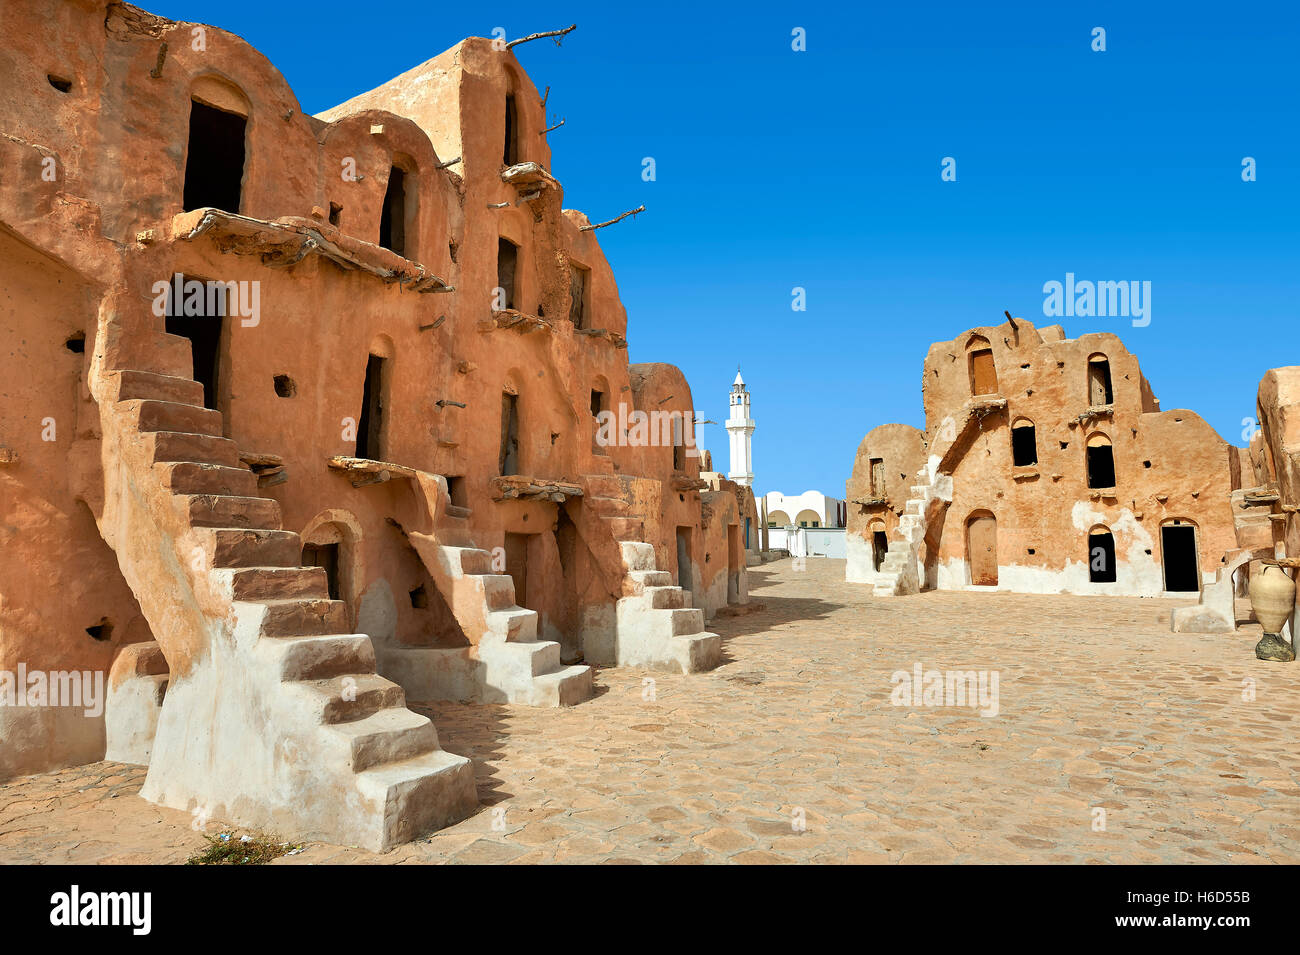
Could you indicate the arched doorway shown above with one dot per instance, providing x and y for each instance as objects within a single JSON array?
[
  {"x": 1101, "y": 555},
  {"x": 330, "y": 541},
  {"x": 879, "y": 544},
  {"x": 982, "y": 548}
]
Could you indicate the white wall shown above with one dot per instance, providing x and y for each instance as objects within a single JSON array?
[
  {"x": 808, "y": 541},
  {"x": 826, "y": 508}
]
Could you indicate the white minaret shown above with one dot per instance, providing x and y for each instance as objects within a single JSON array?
[{"x": 740, "y": 429}]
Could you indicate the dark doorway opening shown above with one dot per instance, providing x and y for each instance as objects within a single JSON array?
[
  {"x": 1178, "y": 553},
  {"x": 370, "y": 429},
  {"x": 392, "y": 219},
  {"x": 509, "y": 463},
  {"x": 879, "y": 547},
  {"x": 203, "y": 329},
  {"x": 511, "y": 153},
  {"x": 1101, "y": 557},
  {"x": 679, "y": 443},
  {"x": 1101, "y": 466},
  {"x": 1024, "y": 445},
  {"x": 327, "y": 556},
  {"x": 597, "y": 406},
  {"x": 566, "y": 617},
  {"x": 507, "y": 257},
  {"x": 734, "y": 562},
  {"x": 685, "y": 577},
  {"x": 214, "y": 164},
  {"x": 456, "y": 490}
]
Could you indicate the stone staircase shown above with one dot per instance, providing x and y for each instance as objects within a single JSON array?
[
  {"x": 902, "y": 571},
  {"x": 273, "y": 715},
  {"x": 656, "y": 626},
  {"x": 507, "y": 663}
]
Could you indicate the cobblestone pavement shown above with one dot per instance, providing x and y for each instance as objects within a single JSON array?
[{"x": 1100, "y": 706}]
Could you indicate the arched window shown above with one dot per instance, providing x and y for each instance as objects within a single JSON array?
[
  {"x": 579, "y": 292},
  {"x": 778, "y": 519},
  {"x": 1024, "y": 443},
  {"x": 509, "y": 460},
  {"x": 1099, "y": 389},
  {"x": 515, "y": 148},
  {"x": 507, "y": 260},
  {"x": 1100, "y": 462},
  {"x": 1101, "y": 555},
  {"x": 397, "y": 218},
  {"x": 983, "y": 373},
  {"x": 511, "y": 153},
  {"x": 330, "y": 541},
  {"x": 214, "y": 160}
]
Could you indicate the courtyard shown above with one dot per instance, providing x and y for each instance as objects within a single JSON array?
[{"x": 791, "y": 750}]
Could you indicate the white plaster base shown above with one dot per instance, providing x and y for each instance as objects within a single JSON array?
[{"x": 492, "y": 672}]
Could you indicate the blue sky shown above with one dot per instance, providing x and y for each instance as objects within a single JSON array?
[{"x": 821, "y": 169}]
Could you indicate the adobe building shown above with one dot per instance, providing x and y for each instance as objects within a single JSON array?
[
  {"x": 302, "y": 419},
  {"x": 750, "y": 528},
  {"x": 1264, "y": 508},
  {"x": 1046, "y": 466}
]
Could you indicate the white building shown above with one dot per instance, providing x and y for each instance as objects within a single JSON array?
[
  {"x": 809, "y": 509},
  {"x": 807, "y": 525},
  {"x": 740, "y": 430}
]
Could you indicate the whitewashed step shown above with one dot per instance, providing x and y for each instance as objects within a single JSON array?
[
  {"x": 385, "y": 736},
  {"x": 566, "y": 686},
  {"x": 644, "y": 579},
  {"x": 666, "y": 598},
  {"x": 418, "y": 795},
  {"x": 697, "y": 652},
  {"x": 515, "y": 624}
]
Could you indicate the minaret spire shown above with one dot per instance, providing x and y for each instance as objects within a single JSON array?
[{"x": 740, "y": 431}]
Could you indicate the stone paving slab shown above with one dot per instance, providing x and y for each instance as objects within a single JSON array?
[{"x": 792, "y": 750}]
